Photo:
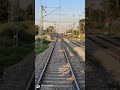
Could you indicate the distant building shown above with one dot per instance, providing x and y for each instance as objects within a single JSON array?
[{"x": 50, "y": 30}]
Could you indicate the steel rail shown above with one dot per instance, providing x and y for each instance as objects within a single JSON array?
[
  {"x": 38, "y": 85},
  {"x": 97, "y": 42},
  {"x": 106, "y": 40},
  {"x": 30, "y": 81},
  {"x": 102, "y": 45},
  {"x": 82, "y": 48},
  {"x": 66, "y": 56}
]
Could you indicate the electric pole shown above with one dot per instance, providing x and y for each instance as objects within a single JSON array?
[
  {"x": 106, "y": 13},
  {"x": 117, "y": 3},
  {"x": 99, "y": 14},
  {"x": 42, "y": 19},
  {"x": 16, "y": 23},
  {"x": 73, "y": 24},
  {"x": 42, "y": 8},
  {"x": 73, "y": 21},
  {"x": 59, "y": 12},
  {"x": 90, "y": 11},
  {"x": 55, "y": 26}
]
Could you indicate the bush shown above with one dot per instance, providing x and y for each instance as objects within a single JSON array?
[
  {"x": 114, "y": 30},
  {"x": 25, "y": 32},
  {"x": 9, "y": 54},
  {"x": 97, "y": 25},
  {"x": 40, "y": 47}
]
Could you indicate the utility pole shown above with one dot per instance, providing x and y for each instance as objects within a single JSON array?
[
  {"x": 73, "y": 24},
  {"x": 73, "y": 21},
  {"x": 99, "y": 14},
  {"x": 59, "y": 12},
  {"x": 55, "y": 26},
  {"x": 106, "y": 13},
  {"x": 117, "y": 3},
  {"x": 90, "y": 11},
  {"x": 16, "y": 23},
  {"x": 8, "y": 5},
  {"x": 42, "y": 19}
]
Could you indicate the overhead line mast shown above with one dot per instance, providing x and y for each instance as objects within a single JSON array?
[
  {"x": 42, "y": 18},
  {"x": 59, "y": 13},
  {"x": 16, "y": 23}
]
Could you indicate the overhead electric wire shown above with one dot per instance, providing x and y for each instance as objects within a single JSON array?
[{"x": 52, "y": 11}]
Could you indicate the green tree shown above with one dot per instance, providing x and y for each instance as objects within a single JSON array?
[
  {"x": 82, "y": 25},
  {"x": 36, "y": 29},
  {"x": 4, "y": 10}
]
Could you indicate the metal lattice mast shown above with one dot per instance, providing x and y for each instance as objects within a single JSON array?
[
  {"x": 59, "y": 12},
  {"x": 73, "y": 24},
  {"x": 42, "y": 18},
  {"x": 16, "y": 23}
]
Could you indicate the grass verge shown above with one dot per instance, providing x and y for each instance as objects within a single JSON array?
[
  {"x": 12, "y": 55},
  {"x": 41, "y": 47}
]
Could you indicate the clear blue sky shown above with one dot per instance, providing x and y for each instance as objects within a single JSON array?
[{"x": 69, "y": 7}]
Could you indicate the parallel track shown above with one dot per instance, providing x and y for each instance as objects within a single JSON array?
[
  {"x": 97, "y": 42},
  {"x": 79, "y": 44},
  {"x": 114, "y": 51},
  {"x": 107, "y": 40}
]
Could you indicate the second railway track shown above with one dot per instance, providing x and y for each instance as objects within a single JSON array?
[
  {"x": 79, "y": 44},
  {"x": 58, "y": 73}
]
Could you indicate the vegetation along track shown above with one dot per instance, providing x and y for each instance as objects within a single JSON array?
[{"x": 57, "y": 73}]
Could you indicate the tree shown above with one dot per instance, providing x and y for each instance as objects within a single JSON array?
[
  {"x": 111, "y": 8},
  {"x": 4, "y": 10},
  {"x": 36, "y": 29},
  {"x": 50, "y": 30},
  {"x": 82, "y": 25}
]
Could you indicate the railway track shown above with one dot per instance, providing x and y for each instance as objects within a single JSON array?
[
  {"x": 103, "y": 42},
  {"x": 57, "y": 74},
  {"x": 79, "y": 44},
  {"x": 117, "y": 44},
  {"x": 112, "y": 48},
  {"x": 112, "y": 41},
  {"x": 97, "y": 42},
  {"x": 77, "y": 66}
]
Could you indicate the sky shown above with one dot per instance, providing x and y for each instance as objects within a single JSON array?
[{"x": 69, "y": 8}]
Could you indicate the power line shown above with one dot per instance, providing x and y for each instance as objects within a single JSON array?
[{"x": 52, "y": 11}]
